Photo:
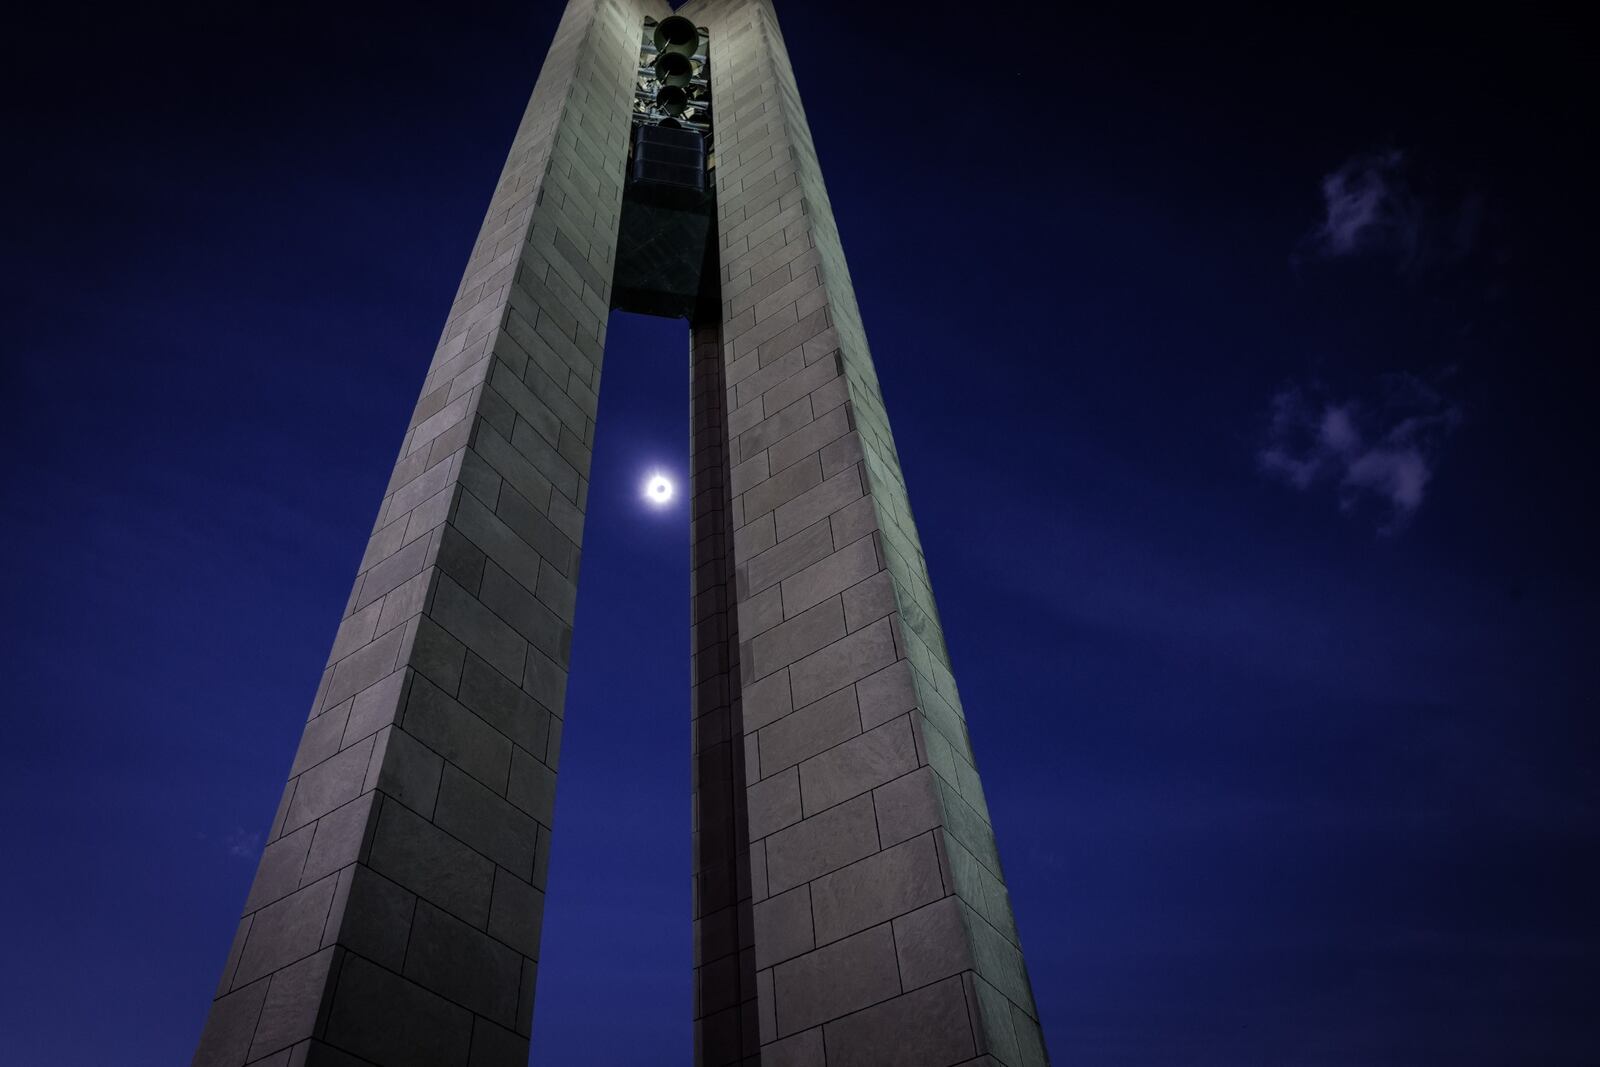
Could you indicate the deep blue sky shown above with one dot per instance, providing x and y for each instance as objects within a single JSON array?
[{"x": 1237, "y": 365}]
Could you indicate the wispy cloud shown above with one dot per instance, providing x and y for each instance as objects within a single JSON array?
[
  {"x": 1367, "y": 207},
  {"x": 1377, "y": 204},
  {"x": 1385, "y": 451}
]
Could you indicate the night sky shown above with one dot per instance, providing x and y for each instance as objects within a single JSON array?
[{"x": 1236, "y": 364}]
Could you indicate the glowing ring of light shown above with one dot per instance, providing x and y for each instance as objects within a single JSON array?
[{"x": 658, "y": 490}]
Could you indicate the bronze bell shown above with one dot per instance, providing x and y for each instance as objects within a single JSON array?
[
  {"x": 677, "y": 34},
  {"x": 674, "y": 68},
  {"x": 672, "y": 99}
]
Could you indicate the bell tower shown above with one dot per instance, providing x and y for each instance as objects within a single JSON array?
[{"x": 849, "y": 904}]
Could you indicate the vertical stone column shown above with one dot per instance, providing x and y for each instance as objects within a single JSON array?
[
  {"x": 725, "y": 1030},
  {"x": 882, "y": 927},
  {"x": 396, "y": 911}
]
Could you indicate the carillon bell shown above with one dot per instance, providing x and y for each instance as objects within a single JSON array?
[
  {"x": 677, "y": 34},
  {"x": 674, "y": 68},
  {"x": 673, "y": 99}
]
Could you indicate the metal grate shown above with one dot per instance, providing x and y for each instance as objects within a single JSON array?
[{"x": 667, "y": 156}]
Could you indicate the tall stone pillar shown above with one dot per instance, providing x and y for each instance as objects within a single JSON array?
[
  {"x": 882, "y": 930},
  {"x": 849, "y": 906},
  {"x": 396, "y": 911}
]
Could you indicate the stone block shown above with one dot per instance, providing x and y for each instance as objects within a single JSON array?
[
  {"x": 330, "y": 784},
  {"x": 516, "y": 914},
  {"x": 716, "y": 1036},
  {"x": 225, "y": 1041},
  {"x": 811, "y": 380},
  {"x": 463, "y": 964},
  {"x": 817, "y": 503},
  {"x": 768, "y": 432},
  {"x": 495, "y": 1046},
  {"x": 773, "y": 804},
  {"x": 932, "y": 942},
  {"x": 907, "y": 806},
  {"x": 405, "y": 601},
  {"x": 991, "y": 1016},
  {"x": 546, "y": 681},
  {"x": 386, "y": 1019},
  {"x": 787, "y": 558},
  {"x": 559, "y": 593},
  {"x": 717, "y": 985},
  {"x": 857, "y": 765},
  {"x": 376, "y": 919},
  {"x": 842, "y": 663},
  {"x": 755, "y": 538},
  {"x": 435, "y": 655},
  {"x": 797, "y": 638},
  {"x": 424, "y": 519},
  {"x": 515, "y": 603},
  {"x": 355, "y": 631},
  {"x": 812, "y": 729},
  {"x": 532, "y": 787},
  {"x": 766, "y": 701},
  {"x": 490, "y": 824},
  {"x": 886, "y": 694},
  {"x": 783, "y": 927},
  {"x": 285, "y": 931},
  {"x": 822, "y": 843},
  {"x": 384, "y": 543},
  {"x": 853, "y": 522},
  {"x": 440, "y": 421},
  {"x": 278, "y": 872},
  {"x": 375, "y": 707},
  {"x": 394, "y": 571},
  {"x": 963, "y": 822},
  {"x": 845, "y": 452},
  {"x": 751, "y": 472},
  {"x": 362, "y": 668},
  {"x": 537, "y": 530},
  {"x": 780, "y": 489},
  {"x": 478, "y": 628},
  {"x": 760, "y": 613},
  {"x": 296, "y": 997},
  {"x": 870, "y": 601},
  {"x": 835, "y": 980},
  {"x": 799, "y": 1050},
  {"x": 999, "y": 961},
  {"x": 432, "y": 864},
  {"x": 340, "y": 839},
  {"x": 497, "y": 453},
  {"x": 458, "y": 735},
  {"x": 407, "y": 770},
  {"x": 430, "y": 483},
  {"x": 829, "y": 577},
  {"x": 1030, "y": 1039},
  {"x": 924, "y": 1028},
  {"x": 876, "y": 889},
  {"x": 814, "y": 436}
]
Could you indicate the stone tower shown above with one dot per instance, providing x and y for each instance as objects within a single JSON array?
[{"x": 849, "y": 906}]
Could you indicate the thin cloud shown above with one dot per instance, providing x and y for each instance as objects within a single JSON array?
[
  {"x": 1367, "y": 207},
  {"x": 1385, "y": 452},
  {"x": 1383, "y": 204}
]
